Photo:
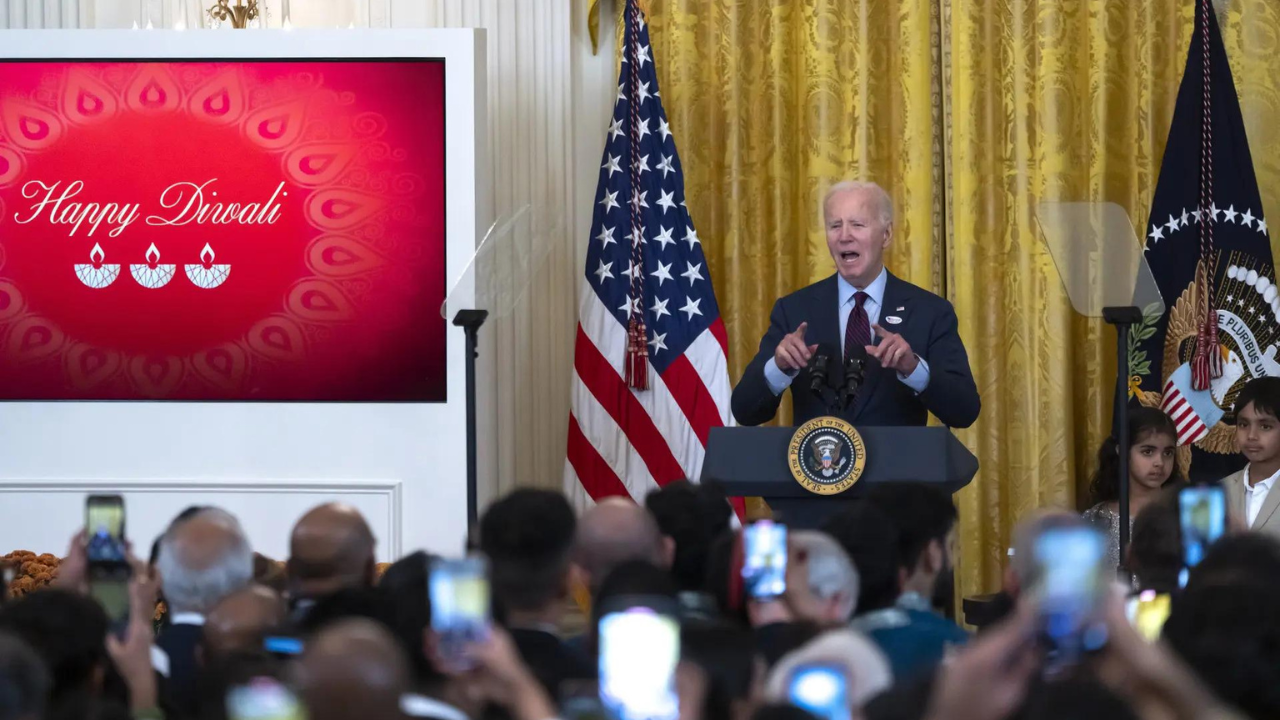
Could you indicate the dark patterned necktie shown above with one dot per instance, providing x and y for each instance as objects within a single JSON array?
[{"x": 857, "y": 332}]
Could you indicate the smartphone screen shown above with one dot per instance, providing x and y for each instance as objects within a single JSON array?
[
  {"x": 639, "y": 651},
  {"x": 460, "y": 609},
  {"x": 104, "y": 530},
  {"x": 764, "y": 562},
  {"x": 282, "y": 646},
  {"x": 1073, "y": 580},
  {"x": 823, "y": 690},
  {"x": 1202, "y": 513},
  {"x": 262, "y": 698}
]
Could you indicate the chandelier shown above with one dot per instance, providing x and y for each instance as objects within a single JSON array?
[{"x": 240, "y": 14}]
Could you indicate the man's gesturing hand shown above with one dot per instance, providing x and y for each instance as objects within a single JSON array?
[
  {"x": 792, "y": 354},
  {"x": 893, "y": 352}
]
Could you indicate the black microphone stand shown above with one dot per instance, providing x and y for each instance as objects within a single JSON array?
[
  {"x": 470, "y": 321},
  {"x": 1122, "y": 318},
  {"x": 821, "y": 384},
  {"x": 854, "y": 371}
]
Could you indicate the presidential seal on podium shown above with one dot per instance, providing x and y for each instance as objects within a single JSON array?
[{"x": 826, "y": 455}]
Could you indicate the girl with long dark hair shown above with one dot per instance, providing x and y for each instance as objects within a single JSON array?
[{"x": 1151, "y": 444}]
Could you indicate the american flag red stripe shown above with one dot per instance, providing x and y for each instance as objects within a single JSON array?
[
  {"x": 586, "y": 462},
  {"x": 692, "y": 396},
  {"x": 606, "y": 384}
]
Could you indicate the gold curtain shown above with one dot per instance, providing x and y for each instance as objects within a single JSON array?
[{"x": 968, "y": 113}]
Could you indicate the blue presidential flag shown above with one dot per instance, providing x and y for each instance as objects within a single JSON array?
[{"x": 1208, "y": 245}]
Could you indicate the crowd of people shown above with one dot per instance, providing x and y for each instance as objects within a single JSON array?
[{"x": 862, "y": 609}]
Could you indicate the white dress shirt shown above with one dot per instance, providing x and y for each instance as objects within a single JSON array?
[
  {"x": 918, "y": 380},
  {"x": 1255, "y": 495}
]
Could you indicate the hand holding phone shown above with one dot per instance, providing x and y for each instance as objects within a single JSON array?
[
  {"x": 764, "y": 562},
  {"x": 639, "y": 650},
  {"x": 822, "y": 690},
  {"x": 1073, "y": 582},
  {"x": 263, "y": 698},
  {"x": 1202, "y": 515},
  {"x": 104, "y": 531},
  {"x": 460, "y": 607},
  {"x": 107, "y": 569}
]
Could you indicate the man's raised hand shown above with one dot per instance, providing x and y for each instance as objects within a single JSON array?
[{"x": 792, "y": 353}]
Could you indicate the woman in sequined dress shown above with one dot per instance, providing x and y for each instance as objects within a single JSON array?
[{"x": 1151, "y": 442}]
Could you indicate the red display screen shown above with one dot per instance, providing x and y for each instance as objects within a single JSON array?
[{"x": 222, "y": 230}]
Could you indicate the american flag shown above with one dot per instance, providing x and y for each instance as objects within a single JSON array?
[{"x": 635, "y": 429}]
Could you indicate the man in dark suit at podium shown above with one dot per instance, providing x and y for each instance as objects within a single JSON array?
[{"x": 915, "y": 361}]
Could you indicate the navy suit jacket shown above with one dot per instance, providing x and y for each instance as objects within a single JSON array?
[{"x": 928, "y": 324}]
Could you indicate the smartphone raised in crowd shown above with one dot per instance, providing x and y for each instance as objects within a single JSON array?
[
  {"x": 764, "y": 559},
  {"x": 460, "y": 606},
  {"x": 104, "y": 530},
  {"x": 1147, "y": 613},
  {"x": 1072, "y": 575},
  {"x": 639, "y": 640},
  {"x": 108, "y": 571},
  {"x": 823, "y": 690},
  {"x": 263, "y": 698},
  {"x": 1202, "y": 514},
  {"x": 285, "y": 647}
]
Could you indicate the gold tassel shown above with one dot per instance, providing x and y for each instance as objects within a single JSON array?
[
  {"x": 593, "y": 24},
  {"x": 593, "y": 19}
]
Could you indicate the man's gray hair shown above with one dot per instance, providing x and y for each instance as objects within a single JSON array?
[
  {"x": 198, "y": 589},
  {"x": 878, "y": 194},
  {"x": 831, "y": 572}
]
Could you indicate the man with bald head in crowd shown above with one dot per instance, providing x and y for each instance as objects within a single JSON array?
[
  {"x": 202, "y": 559},
  {"x": 352, "y": 670},
  {"x": 242, "y": 620},
  {"x": 614, "y": 531},
  {"x": 331, "y": 549}
]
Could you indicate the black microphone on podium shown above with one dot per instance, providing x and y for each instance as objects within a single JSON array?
[
  {"x": 824, "y": 376},
  {"x": 818, "y": 372},
  {"x": 854, "y": 372}
]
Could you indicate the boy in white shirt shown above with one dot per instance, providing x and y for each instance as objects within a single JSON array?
[{"x": 1251, "y": 493}]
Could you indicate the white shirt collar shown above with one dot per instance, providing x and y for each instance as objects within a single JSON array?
[
  {"x": 1261, "y": 483},
  {"x": 874, "y": 291},
  {"x": 415, "y": 705},
  {"x": 186, "y": 618}
]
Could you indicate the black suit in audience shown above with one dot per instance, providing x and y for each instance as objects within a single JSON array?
[
  {"x": 528, "y": 537},
  {"x": 180, "y": 683}
]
